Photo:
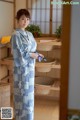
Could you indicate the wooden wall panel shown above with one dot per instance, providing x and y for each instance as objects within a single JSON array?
[
  {"x": 3, "y": 69},
  {"x": 5, "y": 95},
  {"x": 3, "y": 52},
  {"x": 3, "y": 72}
]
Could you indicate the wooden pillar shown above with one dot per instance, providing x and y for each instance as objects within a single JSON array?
[{"x": 50, "y": 30}]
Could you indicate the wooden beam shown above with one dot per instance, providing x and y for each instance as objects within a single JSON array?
[
  {"x": 7, "y": 1},
  {"x": 14, "y": 13},
  {"x": 50, "y": 29},
  {"x": 26, "y": 4},
  {"x": 65, "y": 49}
]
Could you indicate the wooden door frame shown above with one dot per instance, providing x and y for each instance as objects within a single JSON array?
[{"x": 65, "y": 49}]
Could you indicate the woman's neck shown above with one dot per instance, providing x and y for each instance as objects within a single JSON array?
[{"x": 21, "y": 28}]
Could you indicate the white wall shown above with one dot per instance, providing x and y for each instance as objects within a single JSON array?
[
  {"x": 74, "y": 78},
  {"x": 6, "y": 18}
]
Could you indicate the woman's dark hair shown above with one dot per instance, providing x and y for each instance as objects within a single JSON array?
[{"x": 22, "y": 12}]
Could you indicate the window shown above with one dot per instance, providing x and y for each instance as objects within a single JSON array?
[{"x": 43, "y": 13}]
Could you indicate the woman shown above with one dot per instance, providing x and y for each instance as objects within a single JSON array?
[{"x": 24, "y": 54}]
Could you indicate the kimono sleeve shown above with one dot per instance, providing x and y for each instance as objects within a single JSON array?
[{"x": 19, "y": 53}]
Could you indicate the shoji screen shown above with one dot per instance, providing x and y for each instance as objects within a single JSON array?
[
  {"x": 42, "y": 12},
  {"x": 56, "y": 15},
  {"x": 6, "y": 17}
]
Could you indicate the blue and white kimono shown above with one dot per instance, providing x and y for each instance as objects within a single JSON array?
[{"x": 23, "y": 44}]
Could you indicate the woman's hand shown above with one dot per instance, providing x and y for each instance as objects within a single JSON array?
[
  {"x": 34, "y": 55},
  {"x": 41, "y": 55}
]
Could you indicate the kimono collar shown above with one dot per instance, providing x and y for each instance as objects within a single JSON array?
[{"x": 23, "y": 32}]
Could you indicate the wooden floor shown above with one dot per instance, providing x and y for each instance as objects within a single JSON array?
[{"x": 46, "y": 109}]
